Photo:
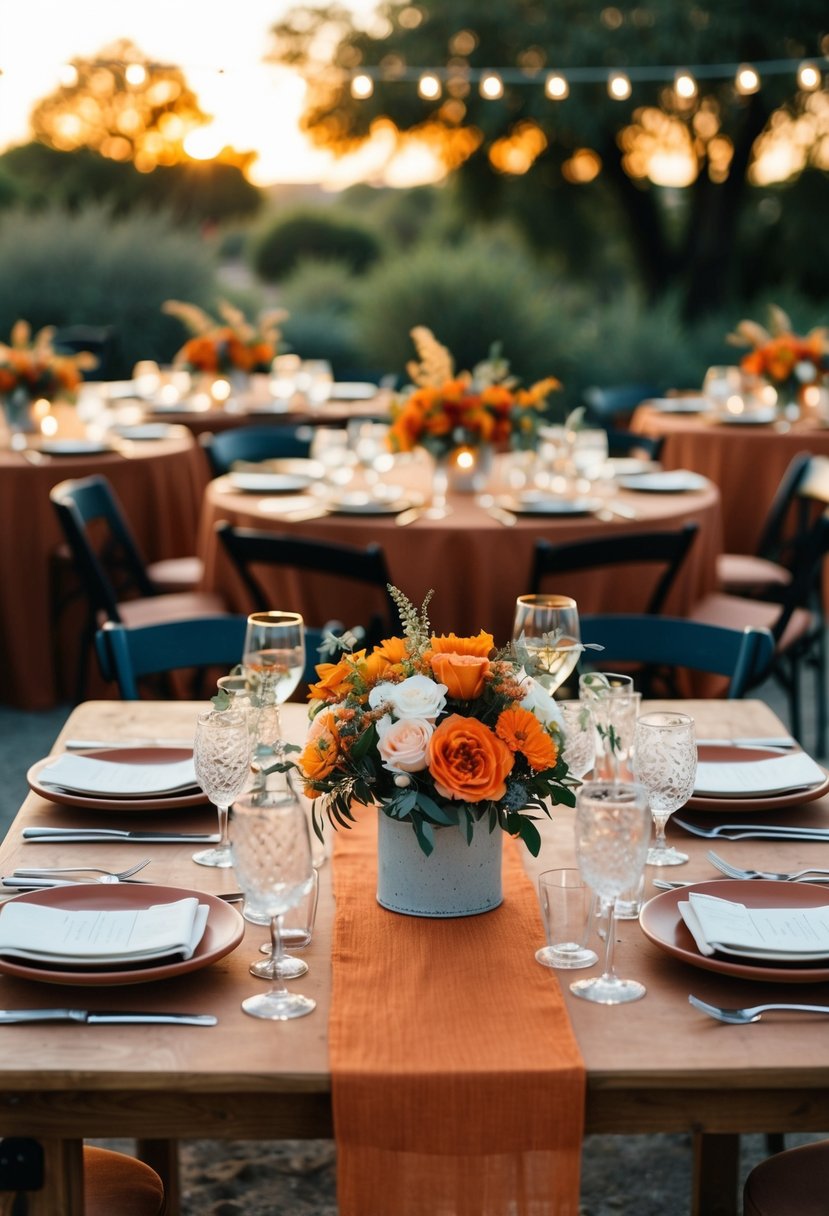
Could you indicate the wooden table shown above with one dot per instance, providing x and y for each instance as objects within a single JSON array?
[
  {"x": 475, "y": 564},
  {"x": 745, "y": 462},
  {"x": 159, "y": 483},
  {"x": 653, "y": 1066}
]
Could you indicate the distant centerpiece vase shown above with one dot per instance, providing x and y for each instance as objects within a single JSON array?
[{"x": 457, "y": 879}]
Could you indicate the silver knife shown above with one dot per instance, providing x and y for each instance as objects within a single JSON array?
[
  {"x": 112, "y": 834},
  {"x": 94, "y": 1018},
  {"x": 96, "y": 745}
]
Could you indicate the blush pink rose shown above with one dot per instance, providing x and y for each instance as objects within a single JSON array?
[{"x": 403, "y": 745}]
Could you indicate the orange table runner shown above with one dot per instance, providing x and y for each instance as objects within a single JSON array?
[{"x": 458, "y": 1086}]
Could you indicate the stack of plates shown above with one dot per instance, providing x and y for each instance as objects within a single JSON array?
[
  {"x": 132, "y": 778},
  {"x": 539, "y": 502}
]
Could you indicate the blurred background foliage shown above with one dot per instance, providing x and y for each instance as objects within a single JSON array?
[{"x": 598, "y": 278}]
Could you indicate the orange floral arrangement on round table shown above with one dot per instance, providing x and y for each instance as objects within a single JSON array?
[
  {"x": 780, "y": 356},
  {"x": 33, "y": 366},
  {"x": 232, "y": 344},
  {"x": 436, "y": 733}
]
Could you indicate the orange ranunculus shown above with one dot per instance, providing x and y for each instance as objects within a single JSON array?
[
  {"x": 463, "y": 674},
  {"x": 467, "y": 761},
  {"x": 393, "y": 650},
  {"x": 522, "y": 732},
  {"x": 374, "y": 668},
  {"x": 450, "y": 643},
  {"x": 334, "y": 678},
  {"x": 318, "y": 758}
]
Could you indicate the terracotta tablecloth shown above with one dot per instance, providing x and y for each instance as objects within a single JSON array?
[
  {"x": 745, "y": 462},
  {"x": 457, "y": 1082},
  {"x": 475, "y": 564},
  {"x": 159, "y": 484}
]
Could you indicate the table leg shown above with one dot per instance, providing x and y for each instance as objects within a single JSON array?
[
  {"x": 162, "y": 1155},
  {"x": 62, "y": 1193},
  {"x": 716, "y": 1174}
]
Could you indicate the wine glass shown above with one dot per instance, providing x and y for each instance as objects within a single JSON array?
[
  {"x": 273, "y": 661},
  {"x": 612, "y": 833},
  {"x": 665, "y": 761},
  {"x": 579, "y": 749},
  {"x": 546, "y": 637},
  {"x": 221, "y": 756},
  {"x": 272, "y": 860}
]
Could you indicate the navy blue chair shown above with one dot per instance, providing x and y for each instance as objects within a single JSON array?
[
  {"x": 252, "y": 444},
  {"x": 612, "y": 405},
  {"x": 664, "y": 642}
]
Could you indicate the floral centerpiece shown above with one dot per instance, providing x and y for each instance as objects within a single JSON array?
[
  {"x": 31, "y": 369},
  {"x": 781, "y": 357},
  {"x": 443, "y": 410},
  {"x": 228, "y": 344},
  {"x": 439, "y": 734}
]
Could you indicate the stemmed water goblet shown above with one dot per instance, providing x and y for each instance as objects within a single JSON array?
[
  {"x": 273, "y": 662},
  {"x": 612, "y": 832},
  {"x": 221, "y": 757},
  {"x": 665, "y": 762},
  {"x": 271, "y": 849},
  {"x": 546, "y": 637}
]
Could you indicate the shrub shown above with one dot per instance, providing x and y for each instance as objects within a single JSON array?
[
  {"x": 91, "y": 269},
  {"x": 312, "y": 234}
]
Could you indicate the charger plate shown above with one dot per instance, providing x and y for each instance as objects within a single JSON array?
[
  {"x": 764, "y": 802},
  {"x": 662, "y": 923},
  {"x": 224, "y": 930},
  {"x": 113, "y": 802}
]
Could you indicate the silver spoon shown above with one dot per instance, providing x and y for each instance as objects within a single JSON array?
[{"x": 742, "y": 1017}]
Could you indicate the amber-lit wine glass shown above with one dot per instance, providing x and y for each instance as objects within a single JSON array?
[{"x": 546, "y": 637}]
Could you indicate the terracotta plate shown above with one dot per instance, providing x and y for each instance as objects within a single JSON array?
[
  {"x": 760, "y": 802},
  {"x": 124, "y": 755},
  {"x": 225, "y": 929},
  {"x": 661, "y": 922}
]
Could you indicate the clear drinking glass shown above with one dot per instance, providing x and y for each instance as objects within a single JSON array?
[
  {"x": 565, "y": 906},
  {"x": 665, "y": 761},
  {"x": 722, "y": 385},
  {"x": 272, "y": 860},
  {"x": 579, "y": 736},
  {"x": 546, "y": 637},
  {"x": 615, "y": 707},
  {"x": 273, "y": 662},
  {"x": 612, "y": 832},
  {"x": 221, "y": 755}
]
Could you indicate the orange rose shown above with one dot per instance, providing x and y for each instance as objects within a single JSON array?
[
  {"x": 463, "y": 674},
  {"x": 450, "y": 643},
  {"x": 467, "y": 761},
  {"x": 318, "y": 758},
  {"x": 522, "y": 732}
]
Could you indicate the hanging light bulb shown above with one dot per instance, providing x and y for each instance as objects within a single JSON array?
[
  {"x": 492, "y": 86},
  {"x": 362, "y": 86},
  {"x": 556, "y": 86},
  {"x": 747, "y": 79},
  {"x": 808, "y": 77},
  {"x": 685, "y": 86},
  {"x": 135, "y": 73},
  {"x": 618, "y": 86},
  {"x": 429, "y": 86}
]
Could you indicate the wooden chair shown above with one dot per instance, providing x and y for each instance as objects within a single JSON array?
[
  {"x": 614, "y": 404},
  {"x": 667, "y": 549},
  {"x": 664, "y": 642},
  {"x": 792, "y": 1183},
  {"x": 116, "y": 581},
  {"x": 628, "y": 443},
  {"x": 114, "y": 1184},
  {"x": 127, "y": 654},
  {"x": 249, "y": 547},
  {"x": 254, "y": 443}
]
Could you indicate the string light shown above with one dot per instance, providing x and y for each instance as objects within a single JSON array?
[
  {"x": 619, "y": 86},
  {"x": 362, "y": 86},
  {"x": 491, "y": 86},
  {"x": 429, "y": 86},
  {"x": 747, "y": 79},
  {"x": 556, "y": 86},
  {"x": 808, "y": 77},
  {"x": 685, "y": 86}
]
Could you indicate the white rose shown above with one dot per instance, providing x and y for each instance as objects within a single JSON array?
[
  {"x": 540, "y": 702},
  {"x": 416, "y": 697},
  {"x": 403, "y": 745}
]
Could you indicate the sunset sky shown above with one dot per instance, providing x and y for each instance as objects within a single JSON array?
[{"x": 256, "y": 105}]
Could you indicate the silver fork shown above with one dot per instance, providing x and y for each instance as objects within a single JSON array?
[
  {"x": 725, "y": 867},
  {"x": 114, "y": 875},
  {"x": 752, "y": 831},
  {"x": 742, "y": 1017}
]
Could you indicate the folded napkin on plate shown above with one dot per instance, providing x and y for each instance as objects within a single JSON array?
[
  {"x": 722, "y": 926},
  {"x": 98, "y": 937},
  {"x": 756, "y": 778},
  {"x": 109, "y": 778}
]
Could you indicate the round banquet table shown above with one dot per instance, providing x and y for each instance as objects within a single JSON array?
[
  {"x": 475, "y": 564},
  {"x": 159, "y": 483},
  {"x": 746, "y": 462}
]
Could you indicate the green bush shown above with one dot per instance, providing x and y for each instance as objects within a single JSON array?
[
  {"x": 90, "y": 269},
  {"x": 317, "y": 234}
]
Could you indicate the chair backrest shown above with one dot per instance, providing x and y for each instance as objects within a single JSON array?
[
  {"x": 628, "y": 443},
  {"x": 743, "y": 655},
  {"x": 249, "y": 547},
  {"x": 667, "y": 549},
  {"x": 806, "y": 564},
  {"x": 612, "y": 403},
  {"x": 103, "y": 547},
  {"x": 254, "y": 443}
]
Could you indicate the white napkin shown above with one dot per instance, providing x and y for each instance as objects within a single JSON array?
[
  {"x": 756, "y": 778},
  {"x": 97, "y": 937},
  {"x": 726, "y": 927},
  {"x": 91, "y": 775}
]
